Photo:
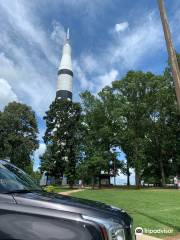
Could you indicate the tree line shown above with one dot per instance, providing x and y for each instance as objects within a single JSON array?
[{"x": 137, "y": 114}]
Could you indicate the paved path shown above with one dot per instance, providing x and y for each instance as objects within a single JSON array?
[
  {"x": 71, "y": 191},
  {"x": 177, "y": 237},
  {"x": 146, "y": 237}
]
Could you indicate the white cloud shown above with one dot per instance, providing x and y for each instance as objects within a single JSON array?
[
  {"x": 81, "y": 77},
  {"x": 22, "y": 20},
  {"x": 28, "y": 62},
  {"x": 40, "y": 150},
  {"x": 120, "y": 27},
  {"x": 6, "y": 93},
  {"x": 144, "y": 39},
  {"x": 7, "y": 66},
  {"x": 89, "y": 63},
  {"x": 124, "y": 52},
  {"x": 32, "y": 86},
  {"x": 82, "y": 69},
  {"x": 107, "y": 78},
  {"x": 58, "y": 33}
]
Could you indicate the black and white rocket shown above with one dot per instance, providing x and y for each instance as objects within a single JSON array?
[{"x": 65, "y": 73}]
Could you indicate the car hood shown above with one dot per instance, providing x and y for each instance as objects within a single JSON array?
[{"x": 74, "y": 205}]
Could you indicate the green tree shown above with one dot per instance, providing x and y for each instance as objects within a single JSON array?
[
  {"x": 98, "y": 136},
  {"x": 18, "y": 134},
  {"x": 36, "y": 176},
  {"x": 131, "y": 115},
  {"x": 148, "y": 121},
  {"x": 48, "y": 162},
  {"x": 164, "y": 129},
  {"x": 63, "y": 134}
]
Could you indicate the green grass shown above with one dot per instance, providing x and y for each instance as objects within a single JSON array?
[
  {"x": 153, "y": 209},
  {"x": 56, "y": 189}
]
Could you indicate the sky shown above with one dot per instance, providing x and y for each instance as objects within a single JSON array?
[{"x": 108, "y": 38}]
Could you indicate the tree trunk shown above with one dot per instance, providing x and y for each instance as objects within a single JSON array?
[
  {"x": 163, "y": 180},
  {"x": 137, "y": 167},
  {"x": 128, "y": 177},
  {"x": 99, "y": 182},
  {"x": 93, "y": 182},
  {"x": 137, "y": 178},
  {"x": 71, "y": 186},
  {"x": 160, "y": 161},
  {"x": 71, "y": 183}
]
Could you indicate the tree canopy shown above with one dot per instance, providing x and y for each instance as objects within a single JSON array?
[
  {"x": 137, "y": 114},
  {"x": 18, "y": 134},
  {"x": 63, "y": 138}
]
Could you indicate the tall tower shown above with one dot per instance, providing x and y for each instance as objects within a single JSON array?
[{"x": 65, "y": 73}]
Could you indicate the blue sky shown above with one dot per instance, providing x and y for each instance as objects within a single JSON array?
[{"x": 108, "y": 38}]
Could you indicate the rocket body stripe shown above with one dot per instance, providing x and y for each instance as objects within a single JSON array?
[
  {"x": 65, "y": 71},
  {"x": 63, "y": 94}
]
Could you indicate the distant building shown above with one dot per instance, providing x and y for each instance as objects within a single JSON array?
[{"x": 105, "y": 178}]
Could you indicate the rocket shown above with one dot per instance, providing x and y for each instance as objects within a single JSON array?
[{"x": 65, "y": 73}]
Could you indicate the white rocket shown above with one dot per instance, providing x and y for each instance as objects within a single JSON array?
[{"x": 65, "y": 73}]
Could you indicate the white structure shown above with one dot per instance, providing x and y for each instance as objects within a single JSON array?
[
  {"x": 43, "y": 180},
  {"x": 65, "y": 73}
]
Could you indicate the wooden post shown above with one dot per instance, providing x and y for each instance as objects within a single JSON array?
[{"x": 171, "y": 52}]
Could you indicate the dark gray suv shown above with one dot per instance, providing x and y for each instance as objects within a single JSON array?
[{"x": 28, "y": 213}]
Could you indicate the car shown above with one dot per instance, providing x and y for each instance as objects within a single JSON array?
[{"x": 29, "y": 213}]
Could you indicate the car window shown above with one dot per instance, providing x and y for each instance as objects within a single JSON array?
[{"x": 14, "y": 179}]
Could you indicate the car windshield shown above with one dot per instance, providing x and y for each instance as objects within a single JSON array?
[{"x": 12, "y": 179}]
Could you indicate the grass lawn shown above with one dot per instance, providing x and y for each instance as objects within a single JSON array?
[
  {"x": 56, "y": 189},
  {"x": 153, "y": 209}
]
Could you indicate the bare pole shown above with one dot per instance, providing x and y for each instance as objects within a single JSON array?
[{"x": 171, "y": 51}]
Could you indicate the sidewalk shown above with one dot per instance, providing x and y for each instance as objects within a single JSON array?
[
  {"x": 71, "y": 191},
  {"x": 146, "y": 237},
  {"x": 177, "y": 237}
]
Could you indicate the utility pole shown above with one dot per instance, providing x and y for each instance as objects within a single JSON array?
[{"x": 171, "y": 51}]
